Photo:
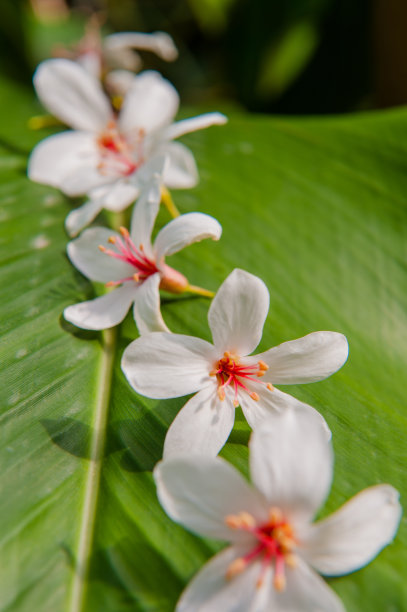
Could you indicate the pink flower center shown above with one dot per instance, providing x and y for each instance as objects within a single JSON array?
[
  {"x": 275, "y": 543},
  {"x": 128, "y": 252},
  {"x": 120, "y": 155},
  {"x": 230, "y": 372}
]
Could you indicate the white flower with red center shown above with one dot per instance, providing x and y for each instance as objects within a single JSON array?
[
  {"x": 110, "y": 156},
  {"x": 135, "y": 264},
  {"x": 224, "y": 374},
  {"x": 275, "y": 547}
]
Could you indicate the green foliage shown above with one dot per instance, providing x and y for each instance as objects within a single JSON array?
[{"x": 314, "y": 207}]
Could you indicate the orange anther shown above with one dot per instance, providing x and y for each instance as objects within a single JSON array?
[
  {"x": 136, "y": 277},
  {"x": 270, "y": 387},
  {"x": 275, "y": 515},
  {"x": 279, "y": 582},
  {"x": 124, "y": 232},
  {"x": 112, "y": 239},
  {"x": 235, "y": 568},
  {"x": 263, "y": 365},
  {"x": 102, "y": 248},
  {"x": 254, "y": 396}
]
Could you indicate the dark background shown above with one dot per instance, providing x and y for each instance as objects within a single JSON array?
[{"x": 273, "y": 56}]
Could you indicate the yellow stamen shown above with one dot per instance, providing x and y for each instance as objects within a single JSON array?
[
  {"x": 168, "y": 202},
  {"x": 260, "y": 373},
  {"x": 112, "y": 239},
  {"x": 110, "y": 284},
  {"x": 270, "y": 387},
  {"x": 221, "y": 394},
  {"x": 235, "y": 403},
  {"x": 41, "y": 121},
  {"x": 136, "y": 277},
  {"x": 124, "y": 232},
  {"x": 254, "y": 396},
  {"x": 263, "y": 365},
  {"x": 102, "y": 248},
  {"x": 235, "y": 568}
]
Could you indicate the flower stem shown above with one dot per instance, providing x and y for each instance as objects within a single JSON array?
[
  {"x": 199, "y": 291},
  {"x": 120, "y": 219},
  {"x": 168, "y": 202},
  {"x": 43, "y": 121}
]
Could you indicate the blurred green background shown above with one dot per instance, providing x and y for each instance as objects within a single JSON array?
[{"x": 273, "y": 56}]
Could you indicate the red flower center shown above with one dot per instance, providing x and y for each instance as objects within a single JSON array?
[
  {"x": 120, "y": 155},
  {"x": 275, "y": 544},
  {"x": 128, "y": 252},
  {"x": 229, "y": 371}
]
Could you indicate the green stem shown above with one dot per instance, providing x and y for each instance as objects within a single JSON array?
[{"x": 199, "y": 291}]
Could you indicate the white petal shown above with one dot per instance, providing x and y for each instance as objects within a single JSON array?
[
  {"x": 194, "y": 124},
  {"x": 85, "y": 255},
  {"x": 305, "y": 592},
  {"x": 200, "y": 492},
  {"x": 202, "y": 426},
  {"x": 354, "y": 534},
  {"x": 162, "y": 365},
  {"x": 181, "y": 171},
  {"x": 72, "y": 94},
  {"x": 91, "y": 61},
  {"x": 81, "y": 217},
  {"x": 118, "y": 82},
  {"x": 159, "y": 43},
  {"x": 275, "y": 402},
  {"x": 118, "y": 195},
  {"x": 184, "y": 230},
  {"x": 125, "y": 58},
  {"x": 237, "y": 313},
  {"x": 146, "y": 310},
  {"x": 83, "y": 181},
  {"x": 102, "y": 312},
  {"x": 59, "y": 157},
  {"x": 308, "y": 359},
  {"x": 150, "y": 104},
  {"x": 144, "y": 215},
  {"x": 291, "y": 462},
  {"x": 210, "y": 591}
]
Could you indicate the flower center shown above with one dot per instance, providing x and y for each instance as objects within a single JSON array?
[
  {"x": 120, "y": 155},
  {"x": 230, "y": 372},
  {"x": 275, "y": 543},
  {"x": 127, "y": 251}
]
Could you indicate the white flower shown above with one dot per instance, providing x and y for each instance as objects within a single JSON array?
[
  {"x": 164, "y": 365},
  {"x": 275, "y": 548},
  {"x": 99, "y": 55},
  {"x": 110, "y": 156},
  {"x": 135, "y": 264}
]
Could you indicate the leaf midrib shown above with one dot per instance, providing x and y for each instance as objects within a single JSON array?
[{"x": 92, "y": 483}]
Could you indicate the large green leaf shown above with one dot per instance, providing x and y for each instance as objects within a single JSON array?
[{"x": 314, "y": 207}]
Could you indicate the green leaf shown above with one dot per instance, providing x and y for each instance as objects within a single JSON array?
[{"x": 314, "y": 207}]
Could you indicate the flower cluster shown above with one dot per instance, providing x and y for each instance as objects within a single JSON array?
[{"x": 121, "y": 151}]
